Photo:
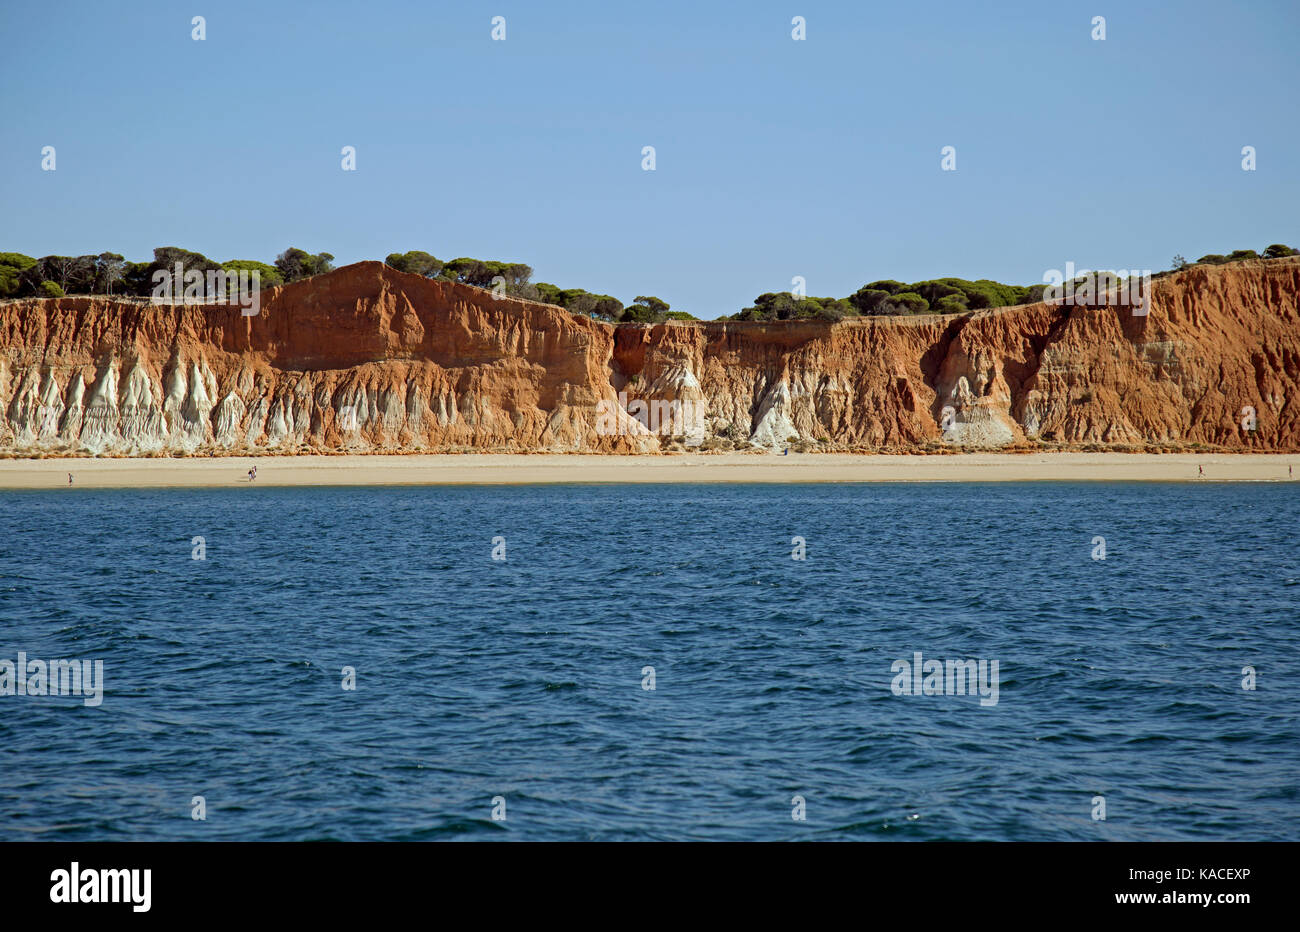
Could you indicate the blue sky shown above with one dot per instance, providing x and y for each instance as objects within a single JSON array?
[{"x": 775, "y": 158}]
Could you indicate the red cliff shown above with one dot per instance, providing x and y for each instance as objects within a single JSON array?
[{"x": 370, "y": 359}]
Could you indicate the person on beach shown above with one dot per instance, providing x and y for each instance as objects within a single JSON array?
[
  {"x": 69, "y": 478},
  {"x": 1200, "y": 472},
  {"x": 250, "y": 475}
]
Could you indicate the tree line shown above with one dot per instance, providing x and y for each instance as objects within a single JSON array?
[
  {"x": 1275, "y": 251},
  {"x": 515, "y": 279},
  {"x": 110, "y": 274},
  {"x": 887, "y": 297},
  {"x": 940, "y": 295}
]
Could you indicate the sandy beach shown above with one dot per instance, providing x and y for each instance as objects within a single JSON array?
[{"x": 502, "y": 469}]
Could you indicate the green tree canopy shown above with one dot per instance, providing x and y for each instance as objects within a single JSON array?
[
  {"x": 295, "y": 264},
  {"x": 782, "y": 305},
  {"x": 12, "y": 266},
  {"x": 416, "y": 262},
  {"x": 645, "y": 309},
  {"x": 655, "y": 305},
  {"x": 268, "y": 275},
  {"x": 166, "y": 257},
  {"x": 866, "y": 299},
  {"x": 109, "y": 269},
  {"x": 905, "y": 302},
  {"x": 73, "y": 274},
  {"x": 482, "y": 273}
]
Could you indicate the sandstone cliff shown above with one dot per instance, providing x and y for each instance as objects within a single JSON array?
[{"x": 370, "y": 359}]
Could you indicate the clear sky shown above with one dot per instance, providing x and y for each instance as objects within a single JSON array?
[{"x": 774, "y": 157}]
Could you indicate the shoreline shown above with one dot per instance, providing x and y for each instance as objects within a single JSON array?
[{"x": 548, "y": 469}]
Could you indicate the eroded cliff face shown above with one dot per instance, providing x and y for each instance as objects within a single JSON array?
[{"x": 368, "y": 359}]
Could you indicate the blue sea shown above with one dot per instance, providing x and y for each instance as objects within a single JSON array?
[{"x": 521, "y": 687}]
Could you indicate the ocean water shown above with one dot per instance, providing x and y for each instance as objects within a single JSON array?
[{"x": 525, "y": 678}]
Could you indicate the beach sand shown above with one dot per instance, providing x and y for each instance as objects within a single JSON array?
[{"x": 503, "y": 469}]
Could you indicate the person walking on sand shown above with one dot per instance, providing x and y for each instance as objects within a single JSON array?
[
  {"x": 69, "y": 478},
  {"x": 1200, "y": 472}
]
